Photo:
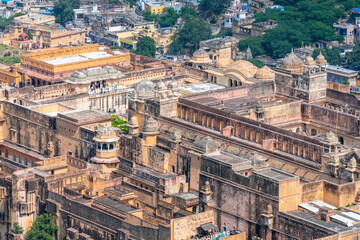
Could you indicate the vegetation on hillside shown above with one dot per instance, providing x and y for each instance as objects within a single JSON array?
[
  {"x": 301, "y": 23},
  {"x": 6, "y": 22},
  {"x": 7, "y": 59},
  {"x": 210, "y": 7}
]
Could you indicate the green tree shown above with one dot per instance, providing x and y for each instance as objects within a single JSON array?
[
  {"x": 169, "y": 18},
  {"x": 353, "y": 58},
  {"x": 210, "y": 7},
  {"x": 191, "y": 35},
  {"x": 131, "y": 2},
  {"x": 332, "y": 55},
  {"x": 146, "y": 47},
  {"x": 119, "y": 123},
  {"x": 151, "y": 17},
  {"x": 188, "y": 12},
  {"x": 257, "y": 62},
  {"x": 112, "y": 2},
  {"x": 17, "y": 228},
  {"x": 43, "y": 228},
  {"x": 256, "y": 45},
  {"x": 63, "y": 10}
]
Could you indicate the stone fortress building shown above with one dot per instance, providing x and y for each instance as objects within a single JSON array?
[{"x": 225, "y": 150}]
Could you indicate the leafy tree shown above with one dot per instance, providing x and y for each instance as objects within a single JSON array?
[
  {"x": 131, "y": 2},
  {"x": 188, "y": 12},
  {"x": 213, "y": 20},
  {"x": 118, "y": 123},
  {"x": 256, "y": 45},
  {"x": 227, "y": 32},
  {"x": 191, "y": 35},
  {"x": 210, "y": 7},
  {"x": 112, "y": 2},
  {"x": 169, "y": 18},
  {"x": 151, "y": 17},
  {"x": 17, "y": 228},
  {"x": 63, "y": 10},
  {"x": 353, "y": 58},
  {"x": 29, "y": 35},
  {"x": 257, "y": 62},
  {"x": 146, "y": 47},
  {"x": 332, "y": 55},
  {"x": 43, "y": 228}
]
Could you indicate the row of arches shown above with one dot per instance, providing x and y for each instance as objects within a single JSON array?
[{"x": 251, "y": 133}]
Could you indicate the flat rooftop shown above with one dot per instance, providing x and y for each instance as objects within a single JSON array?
[
  {"x": 77, "y": 58},
  {"x": 275, "y": 174},
  {"x": 237, "y": 163},
  {"x": 84, "y": 116},
  {"x": 203, "y": 87},
  {"x": 311, "y": 218},
  {"x": 116, "y": 204},
  {"x": 340, "y": 69}
]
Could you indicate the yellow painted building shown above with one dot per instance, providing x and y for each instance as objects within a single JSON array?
[
  {"x": 155, "y": 7},
  {"x": 9, "y": 76}
]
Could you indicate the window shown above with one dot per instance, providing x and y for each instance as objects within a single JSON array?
[
  {"x": 313, "y": 132},
  {"x": 111, "y": 146},
  {"x": 104, "y": 146},
  {"x": 14, "y": 156}
]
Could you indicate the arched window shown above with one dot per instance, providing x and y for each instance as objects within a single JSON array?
[
  {"x": 32, "y": 164},
  {"x": 111, "y": 146},
  {"x": 99, "y": 146},
  {"x": 104, "y": 146},
  {"x": 341, "y": 140},
  {"x": 25, "y": 161}
]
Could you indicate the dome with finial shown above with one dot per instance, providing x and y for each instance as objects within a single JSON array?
[
  {"x": 105, "y": 131},
  {"x": 309, "y": 61},
  {"x": 201, "y": 54},
  {"x": 265, "y": 73},
  {"x": 291, "y": 60},
  {"x": 160, "y": 85},
  {"x": 151, "y": 126},
  {"x": 321, "y": 59},
  {"x": 133, "y": 121}
]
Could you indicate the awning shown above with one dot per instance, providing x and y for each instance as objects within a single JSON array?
[{"x": 207, "y": 227}]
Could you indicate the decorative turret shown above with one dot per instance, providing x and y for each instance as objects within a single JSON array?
[
  {"x": 320, "y": 60},
  {"x": 150, "y": 131},
  {"x": 309, "y": 62},
  {"x": 106, "y": 147},
  {"x": 133, "y": 126},
  {"x": 265, "y": 73}
]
